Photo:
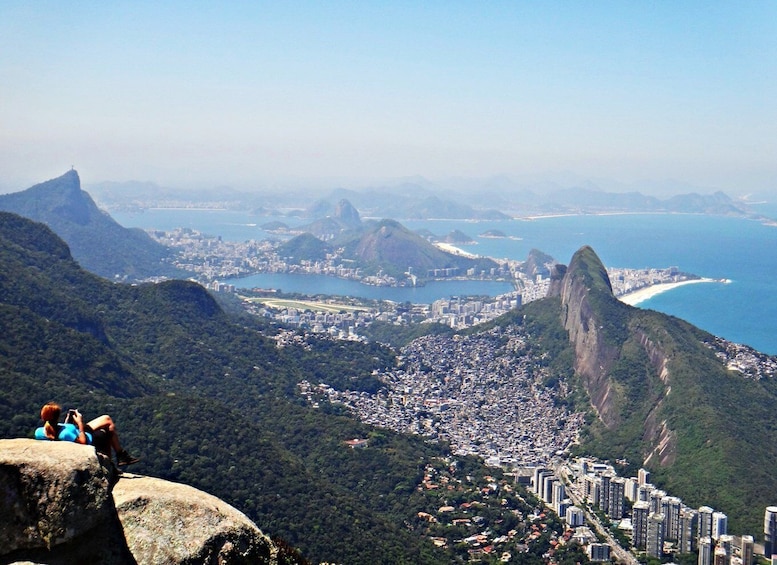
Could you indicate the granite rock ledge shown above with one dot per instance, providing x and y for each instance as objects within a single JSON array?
[{"x": 62, "y": 503}]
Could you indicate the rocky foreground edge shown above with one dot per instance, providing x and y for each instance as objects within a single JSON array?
[{"x": 62, "y": 503}]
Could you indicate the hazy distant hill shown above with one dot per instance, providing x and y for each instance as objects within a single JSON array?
[
  {"x": 389, "y": 246},
  {"x": 304, "y": 247},
  {"x": 97, "y": 242},
  {"x": 494, "y": 198}
]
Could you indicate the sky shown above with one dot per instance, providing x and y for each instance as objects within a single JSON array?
[{"x": 248, "y": 94}]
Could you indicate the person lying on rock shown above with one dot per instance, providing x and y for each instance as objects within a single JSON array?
[{"x": 100, "y": 432}]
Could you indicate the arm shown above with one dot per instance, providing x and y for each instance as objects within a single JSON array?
[{"x": 79, "y": 420}]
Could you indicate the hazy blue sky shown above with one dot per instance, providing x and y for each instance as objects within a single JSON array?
[{"x": 191, "y": 93}]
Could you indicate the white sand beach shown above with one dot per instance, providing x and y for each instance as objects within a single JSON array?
[
  {"x": 447, "y": 247},
  {"x": 634, "y": 298}
]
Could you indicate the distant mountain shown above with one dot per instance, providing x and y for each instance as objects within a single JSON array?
[
  {"x": 304, "y": 247},
  {"x": 390, "y": 247},
  {"x": 412, "y": 201},
  {"x": 332, "y": 220},
  {"x": 458, "y": 237},
  {"x": 538, "y": 263},
  {"x": 347, "y": 214},
  {"x": 495, "y": 198},
  {"x": 661, "y": 396},
  {"x": 97, "y": 242}
]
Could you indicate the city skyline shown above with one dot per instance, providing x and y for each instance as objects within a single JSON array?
[{"x": 251, "y": 95}]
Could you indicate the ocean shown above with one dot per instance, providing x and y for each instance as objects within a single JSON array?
[{"x": 742, "y": 251}]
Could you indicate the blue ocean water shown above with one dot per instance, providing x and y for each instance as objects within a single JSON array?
[{"x": 743, "y": 251}]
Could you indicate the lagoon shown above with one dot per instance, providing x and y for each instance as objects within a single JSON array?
[
  {"x": 716, "y": 247},
  {"x": 321, "y": 284}
]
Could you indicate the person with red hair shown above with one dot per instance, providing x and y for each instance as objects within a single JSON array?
[{"x": 100, "y": 432}]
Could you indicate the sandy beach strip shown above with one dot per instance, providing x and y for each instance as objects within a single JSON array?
[
  {"x": 448, "y": 248},
  {"x": 648, "y": 292}
]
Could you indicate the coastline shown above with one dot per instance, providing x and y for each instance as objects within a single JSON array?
[{"x": 648, "y": 292}]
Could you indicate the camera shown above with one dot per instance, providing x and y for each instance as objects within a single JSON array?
[{"x": 69, "y": 418}]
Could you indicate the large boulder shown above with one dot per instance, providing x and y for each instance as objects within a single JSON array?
[
  {"x": 51, "y": 493},
  {"x": 60, "y": 503},
  {"x": 166, "y": 522}
]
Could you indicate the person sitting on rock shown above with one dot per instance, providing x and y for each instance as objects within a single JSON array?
[{"x": 100, "y": 432}]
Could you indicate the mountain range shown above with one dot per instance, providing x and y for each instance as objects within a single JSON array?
[
  {"x": 211, "y": 400},
  {"x": 98, "y": 242},
  {"x": 417, "y": 198},
  {"x": 384, "y": 246}
]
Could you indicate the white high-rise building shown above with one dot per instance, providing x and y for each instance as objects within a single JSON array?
[
  {"x": 631, "y": 490},
  {"x": 604, "y": 493},
  {"x": 770, "y": 531},
  {"x": 617, "y": 489},
  {"x": 598, "y": 552},
  {"x": 705, "y": 550},
  {"x": 575, "y": 516},
  {"x": 643, "y": 476},
  {"x": 643, "y": 492},
  {"x": 656, "y": 496},
  {"x": 747, "y": 547},
  {"x": 546, "y": 493},
  {"x": 654, "y": 544},
  {"x": 670, "y": 508},
  {"x": 705, "y": 521},
  {"x": 719, "y": 525},
  {"x": 688, "y": 530},
  {"x": 539, "y": 475},
  {"x": 639, "y": 520},
  {"x": 592, "y": 489},
  {"x": 559, "y": 494}
]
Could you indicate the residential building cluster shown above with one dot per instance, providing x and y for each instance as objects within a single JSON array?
[
  {"x": 624, "y": 281},
  {"x": 744, "y": 359},
  {"x": 656, "y": 522},
  {"x": 487, "y": 519},
  {"x": 211, "y": 258},
  {"x": 484, "y": 394}
]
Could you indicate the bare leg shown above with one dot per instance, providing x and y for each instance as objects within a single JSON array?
[{"x": 106, "y": 422}]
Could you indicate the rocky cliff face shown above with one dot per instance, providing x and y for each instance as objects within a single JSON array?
[
  {"x": 63, "y": 504},
  {"x": 606, "y": 338},
  {"x": 584, "y": 281}
]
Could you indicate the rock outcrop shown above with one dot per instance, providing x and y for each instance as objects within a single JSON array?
[
  {"x": 62, "y": 503},
  {"x": 624, "y": 368},
  {"x": 583, "y": 290},
  {"x": 208, "y": 529}
]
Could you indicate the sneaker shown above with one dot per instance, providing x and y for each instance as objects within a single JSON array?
[{"x": 123, "y": 458}]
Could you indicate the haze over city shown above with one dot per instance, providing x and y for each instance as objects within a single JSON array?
[{"x": 255, "y": 95}]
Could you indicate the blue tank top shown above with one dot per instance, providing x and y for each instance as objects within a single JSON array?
[{"x": 67, "y": 432}]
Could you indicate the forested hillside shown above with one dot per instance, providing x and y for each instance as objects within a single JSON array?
[
  {"x": 664, "y": 397},
  {"x": 211, "y": 402}
]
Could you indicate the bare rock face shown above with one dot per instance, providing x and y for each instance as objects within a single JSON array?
[
  {"x": 60, "y": 503},
  {"x": 165, "y": 522},
  {"x": 585, "y": 280},
  {"x": 51, "y": 493}
]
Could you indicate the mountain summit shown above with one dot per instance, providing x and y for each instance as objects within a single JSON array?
[
  {"x": 668, "y": 396},
  {"x": 96, "y": 240}
]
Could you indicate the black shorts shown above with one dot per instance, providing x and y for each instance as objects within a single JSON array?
[{"x": 101, "y": 439}]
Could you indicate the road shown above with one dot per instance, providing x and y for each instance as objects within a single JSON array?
[{"x": 621, "y": 554}]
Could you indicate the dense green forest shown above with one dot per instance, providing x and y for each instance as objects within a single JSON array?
[
  {"x": 208, "y": 396},
  {"x": 210, "y": 400}
]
